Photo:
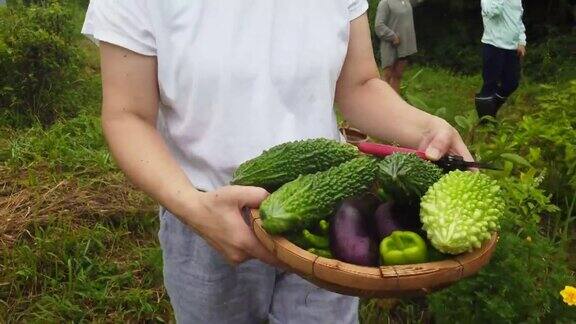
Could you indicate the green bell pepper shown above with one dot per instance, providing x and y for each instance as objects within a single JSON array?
[{"x": 403, "y": 247}]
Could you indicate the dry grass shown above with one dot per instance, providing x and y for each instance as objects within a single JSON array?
[{"x": 32, "y": 196}]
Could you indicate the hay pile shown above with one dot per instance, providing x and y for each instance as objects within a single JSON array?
[{"x": 34, "y": 196}]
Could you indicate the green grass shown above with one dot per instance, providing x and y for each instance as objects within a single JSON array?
[
  {"x": 76, "y": 145},
  {"x": 440, "y": 92},
  {"x": 445, "y": 94},
  {"x": 66, "y": 271}
]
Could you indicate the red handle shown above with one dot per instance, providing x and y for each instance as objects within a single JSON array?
[{"x": 385, "y": 150}]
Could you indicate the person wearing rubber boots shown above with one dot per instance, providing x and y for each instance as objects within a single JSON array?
[{"x": 503, "y": 46}]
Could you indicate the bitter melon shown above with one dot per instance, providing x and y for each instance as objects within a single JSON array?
[
  {"x": 285, "y": 162},
  {"x": 302, "y": 203}
]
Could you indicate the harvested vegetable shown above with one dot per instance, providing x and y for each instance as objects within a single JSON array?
[
  {"x": 406, "y": 177},
  {"x": 403, "y": 247},
  {"x": 324, "y": 227},
  {"x": 435, "y": 255},
  {"x": 316, "y": 241},
  {"x": 461, "y": 211},
  {"x": 321, "y": 253},
  {"x": 302, "y": 203},
  {"x": 306, "y": 239},
  {"x": 350, "y": 239},
  {"x": 298, "y": 239},
  {"x": 390, "y": 217},
  {"x": 285, "y": 162}
]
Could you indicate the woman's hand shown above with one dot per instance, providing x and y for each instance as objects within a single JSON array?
[
  {"x": 396, "y": 40},
  {"x": 441, "y": 138},
  {"x": 371, "y": 105},
  {"x": 521, "y": 50},
  {"x": 217, "y": 217},
  {"x": 129, "y": 121}
]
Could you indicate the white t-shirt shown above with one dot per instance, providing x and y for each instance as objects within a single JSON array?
[{"x": 236, "y": 77}]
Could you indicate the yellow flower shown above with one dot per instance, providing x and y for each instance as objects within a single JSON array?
[{"x": 569, "y": 295}]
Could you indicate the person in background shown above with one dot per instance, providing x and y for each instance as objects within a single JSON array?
[
  {"x": 394, "y": 26},
  {"x": 503, "y": 46}
]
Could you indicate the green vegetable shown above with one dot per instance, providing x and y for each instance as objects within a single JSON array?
[
  {"x": 285, "y": 162},
  {"x": 382, "y": 194},
  {"x": 324, "y": 227},
  {"x": 403, "y": 247},
  {"x": 302, "y": 203},
  {"x": 321, "y": 252},
  {"x": 298, "y": 239},
  {"x": 306, "y": 239},
  {"x": 406, "y": 177},
  {"x": 316, "y": 241},
  {"x": 435, "y": 255},
  {"x": 461, "y": 211}
]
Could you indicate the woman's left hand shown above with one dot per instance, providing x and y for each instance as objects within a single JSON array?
[{"x": 441, "y": 138}]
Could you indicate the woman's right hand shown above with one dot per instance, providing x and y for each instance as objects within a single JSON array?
[
  {"x": 217, "y": 217},
  {"x": 396, "y": 41}
]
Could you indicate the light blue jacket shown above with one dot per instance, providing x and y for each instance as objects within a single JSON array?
[{"x": 503, "y": 26}]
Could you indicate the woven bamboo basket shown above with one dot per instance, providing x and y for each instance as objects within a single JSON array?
[{"x": 373, "y": 282}]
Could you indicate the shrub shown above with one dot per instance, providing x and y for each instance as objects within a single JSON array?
[
  {"x": 39, "y": 58},
  {"x": 545, "y": 137},
  {"x": 551, "y": 60}
]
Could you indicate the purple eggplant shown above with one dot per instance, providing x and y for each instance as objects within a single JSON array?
[
  {"x": 390, "y": 217},
  {"x": 350, "y": 238}
]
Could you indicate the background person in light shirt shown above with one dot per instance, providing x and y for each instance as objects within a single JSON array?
[{"x": 503, "y": 46}]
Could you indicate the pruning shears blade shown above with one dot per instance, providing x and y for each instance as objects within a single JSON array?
[{"x": 480, "y": 165}]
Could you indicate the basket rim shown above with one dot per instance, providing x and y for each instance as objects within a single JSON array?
[{"x": 369, "y": 281}]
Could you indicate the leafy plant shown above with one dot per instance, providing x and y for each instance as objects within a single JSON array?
[
  {"x": 39, "y": 63},
  {"x": 544, "y": 137}
]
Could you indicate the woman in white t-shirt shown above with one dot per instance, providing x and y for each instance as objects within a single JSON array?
[{"x": 193, "y": 88}]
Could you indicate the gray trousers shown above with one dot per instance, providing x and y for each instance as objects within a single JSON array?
[{"x": 203, "y": 288}]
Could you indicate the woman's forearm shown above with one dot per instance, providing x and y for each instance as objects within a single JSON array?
[
  {"x": 375, "y": 108},
  {"x": 141, "y": 153},
  {"x": 129, "y": 112}
]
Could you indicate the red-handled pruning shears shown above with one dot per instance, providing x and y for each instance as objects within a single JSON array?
[{"x": 448, "y": 162}]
